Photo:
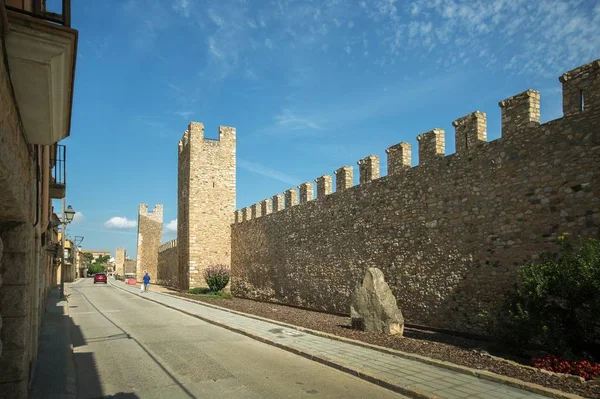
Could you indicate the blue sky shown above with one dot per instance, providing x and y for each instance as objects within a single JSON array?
[{"x": 310, "y": 86}]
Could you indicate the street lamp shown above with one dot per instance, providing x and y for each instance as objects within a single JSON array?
[
  {"x": 69, "y": 213},
  {"x": 67, "y": 217}
]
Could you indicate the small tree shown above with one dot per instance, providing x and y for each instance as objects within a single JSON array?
[
  {"x": 217, "y": 277},
  {"x": 557, "y": 303}
]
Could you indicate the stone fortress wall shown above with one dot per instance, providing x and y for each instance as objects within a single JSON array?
[
  {"x": 168, "y": 272},
  {"x": 150, "y": 225},
  {"x": 448, "y": 233},
  {"x": 205, "y": 202}
]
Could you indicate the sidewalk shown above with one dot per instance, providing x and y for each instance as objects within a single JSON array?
[
  {"x": 406, "y": 376},
  {"x": 55, "y": 371}
]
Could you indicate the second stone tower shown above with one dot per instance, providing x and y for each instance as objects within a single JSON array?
[{"x": 205, "y": 202}]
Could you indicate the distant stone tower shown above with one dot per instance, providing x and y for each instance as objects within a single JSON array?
[
  {"x": 120, "y": 261},
  {"x": 150, "y": 225},
  {"x": 205, "y": 202}
]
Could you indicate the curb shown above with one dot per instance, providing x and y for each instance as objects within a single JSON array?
[{"x": 406, "y": 390}]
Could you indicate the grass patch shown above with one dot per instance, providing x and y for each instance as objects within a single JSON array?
[{"x": 205, "y": 292}]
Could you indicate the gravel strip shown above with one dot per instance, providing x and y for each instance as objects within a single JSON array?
[{"x": 458, "y": 350}]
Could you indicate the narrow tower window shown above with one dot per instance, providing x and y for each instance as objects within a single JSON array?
[{"x": 581, "y": 100}]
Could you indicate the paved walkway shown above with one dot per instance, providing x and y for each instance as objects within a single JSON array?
[
  {"x": 55, "y": 371},
  {"x": 406, "y": 376}
]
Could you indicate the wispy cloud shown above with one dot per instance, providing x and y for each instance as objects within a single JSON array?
[
  {"x": 182, "y": 7},
  {"x": 175, "y": 88},
  {"x": 544, "y": 37},
  {"x": 353, "y": 107},
  {"x": 290, "y": 120},
  {"x": 266, "y": 172},
  {"x": 146, "y": 19},
  {"x": 184, "y": 114},
  {"x": 119, "y": 222}
]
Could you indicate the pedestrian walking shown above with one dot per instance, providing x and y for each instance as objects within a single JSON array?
[{"x": 146, "y": 279}]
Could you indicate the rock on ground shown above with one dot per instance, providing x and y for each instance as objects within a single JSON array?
[{"x": 373, "y": 306}]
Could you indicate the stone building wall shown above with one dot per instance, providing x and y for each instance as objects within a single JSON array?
[
  {"x": 120, "y": 261},
  {"x": 206, "y": 202},
  {"x": 150, "y": 225},
  {"x": 168, "y": 272},
  {"x": 24, "y": 265},
  {"x": 448, "y": 233}
]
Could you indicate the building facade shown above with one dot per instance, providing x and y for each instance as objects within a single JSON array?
[{"x": 35, "y": 46}]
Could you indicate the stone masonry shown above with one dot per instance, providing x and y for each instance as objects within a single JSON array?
[
  {"x": 120, "y": 261},
  {"x": 130, "y": 266},
  {"x": 168, "y": 272},
  {"x": 150, "y": 225},
  {"x": 206, "y": 202},
  {"x": 449, "y": 233}
]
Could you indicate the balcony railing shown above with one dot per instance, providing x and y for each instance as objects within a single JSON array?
[
  {"x": 38, "y": 9},
  {"x": 58, "y": 182}
]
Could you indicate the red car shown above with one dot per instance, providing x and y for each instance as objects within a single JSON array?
[{"x": 100, "y": 278}]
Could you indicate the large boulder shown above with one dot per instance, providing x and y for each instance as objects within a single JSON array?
[{"x": 373, "y": 306}]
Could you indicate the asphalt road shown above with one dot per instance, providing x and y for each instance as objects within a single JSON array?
[{"x": 127, "y": 347}]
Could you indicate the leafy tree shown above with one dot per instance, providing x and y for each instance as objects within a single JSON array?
[
  {"x": 557, "y": 303},
  {"x": 88, "y": 257},
  {"x": 95, "y": 268},
  {"x": 102, "y": 259}
]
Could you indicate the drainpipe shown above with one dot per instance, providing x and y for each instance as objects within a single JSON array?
[{"x": 62, "y": 265}]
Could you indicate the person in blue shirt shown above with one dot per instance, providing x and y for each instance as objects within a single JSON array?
[{"x": 146, "y": 279}]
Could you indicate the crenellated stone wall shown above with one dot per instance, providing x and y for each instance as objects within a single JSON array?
[
  {"x": 448, "y": 233},
  {"x": 168, "y": 272}
]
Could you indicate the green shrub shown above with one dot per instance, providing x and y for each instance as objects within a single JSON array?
[
  {"x": 217, "y": 277},
  {"x": 95, "y": 268},
  {"x": 224, "y": 295},
  {"x": 557, "y": 303},
  {"x": 199, "y": 290}
]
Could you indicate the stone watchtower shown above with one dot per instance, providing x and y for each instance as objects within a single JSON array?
[
  {"x": 150, "y": 225},
  {"x": 120, "y": 261},
  {"x": 205, "y": 202}
]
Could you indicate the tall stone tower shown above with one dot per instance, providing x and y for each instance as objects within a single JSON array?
[
  {"x": 150, "y": 225},
  {"x": 205, "y": 202},
  {"x": 120, "y": 261}
]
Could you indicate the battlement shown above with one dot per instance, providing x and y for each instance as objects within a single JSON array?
[
  {"x": 306, "y": 192},
  {"x": 581, "y": 88},
  {"x": 195, "y": 133},
  {"x": 520, "y": 116},
  {"x": 520, "y": 112},
  {"x": 323, "y": 186},
  {"x": 368, "y": 168},
  {"x": 167, "y": 245},
  {"x": 470, "y": 131},
  {"x": 156, "y": 214}
]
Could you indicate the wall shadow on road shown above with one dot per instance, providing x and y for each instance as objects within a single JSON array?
[{"x": 87, "y": 371}]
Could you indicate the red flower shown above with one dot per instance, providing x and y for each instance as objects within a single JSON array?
[{"x": 581, "y": 368}]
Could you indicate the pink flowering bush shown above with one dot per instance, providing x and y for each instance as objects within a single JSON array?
[{"x": 217, "y": 277}]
